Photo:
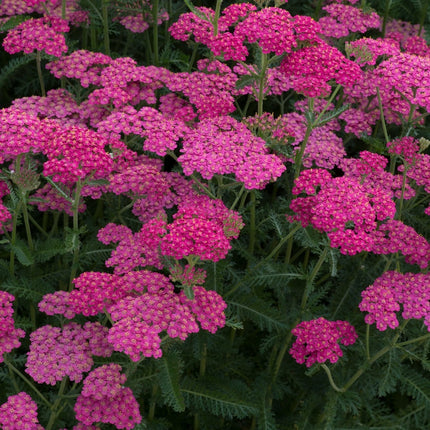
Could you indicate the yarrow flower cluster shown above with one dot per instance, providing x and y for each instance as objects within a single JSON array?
[
  {"x": 104, "y": 399},
  {"x": 223, "y": 145},
  {"x": 393, "y": 291},
  {"x": 343, "y": 19},
  {"x": 38, "y": 34},
  {"x": 19, "y": 413},
  {"x": 311, "y": 68},
  {"x": 9, "y": 335},
  {"x": 342, "y": 208},
  {"x": 139, "y": 320},
  {"x": 55, "y": 353},
  {"x": 318, "y": 340}
]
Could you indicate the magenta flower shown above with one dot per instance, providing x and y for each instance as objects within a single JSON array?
[
  {"x": 55, "y": 353},
  {"x": 104, "y": 399},
  {"x": 383, "y": 298},
  {"x": 40, "y": 34},
  {"x": 9, "y": 335},
  {"x": 318, "y": 340},
  {"x": 19, "y": 413}
]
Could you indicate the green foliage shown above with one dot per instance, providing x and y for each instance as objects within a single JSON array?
[
  {"x": 229, "y": 399},
  {"x": 170, "y": 367}
]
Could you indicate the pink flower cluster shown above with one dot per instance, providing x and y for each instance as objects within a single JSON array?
[
  {"x": 383, "y": 298},
  {"x": 342, "y": 207},
  {"x": 139, "y": 320},
  {"x": 201, "y": 227},
  {"x": 19, "y": 413},
  {"x": 16, "y": 139},
  {"x": 323, "y": 149},
  {"x": 222, "y": 146},
  {"x": 343, "y": 19},
  {"x": 273, "y": 29},
  {"x": 318, "y": 340},
  {"x": 9, "y": 335},
  {"x": 104, "y": 399},
  {"x": 76, "y": 153},
  {"x": 40, "y": 34},
  {"x": 311, "y": 68},
  {"x": 55, "y": 353}
]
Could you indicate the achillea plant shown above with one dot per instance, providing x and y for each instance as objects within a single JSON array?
[{"x": 214, "y": 216}]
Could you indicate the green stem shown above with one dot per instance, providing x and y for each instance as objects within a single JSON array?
[
  {"x": 369, "y": 362},
  {"x": 330, "y": 379},
  {"x": 151, "y": 412},
  {"x": 262, "y": 83},
  {"x": 239, "y": 194},
  {"x": 381, "y": 111},
  {"x": 192, "y": 58},
  {"x": 314, "y": 273},
  {"x": 13, "y": 238},
  {"x": 386, "y": 16},
  {"x": 155, "y": 31},
  {"x": 417, "y": 339},
  {"x": 75, "y": 209},
  {"x": 251, "y": 244},
  {"x": 39, "y": 74},
  {"x": 27, "y": 224},
  {"x": 216, "y": 17},
  {"x": 106, "y": 26},
  {"x": 402, "y": 195},
  {"x": 368, "y": 341},
  {"x": 27, "y": 381},
  {"x": 55, "y": 410}
]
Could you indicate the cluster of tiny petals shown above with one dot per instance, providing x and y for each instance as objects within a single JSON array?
[
  {"x": 383, "y": 298},
  {"x": 9, "y": 335},
  {"x": 311, "y": 68},
  {"x": 395, "y": 236},
  {"x": 135, "y": 249},
  {"x": 271, "y": 28},
  {"x": 172, "y": 106},
  {"x": 367, "y": 51},
  {"x": 347, "y": 19},
  {"x": 48, "y": 198},
  {"x": 341, "y": 207},
  {"x": 58, "y": 104},
  {"x": 95, "y": 291},
  {"x": 40, "y": 34},
  {"x": 208, "y": 306},
  {"x": 223, "y": 145},
  {"x": 19, "y": 413},
  {"x": 55, "y": 353},
  {"x": 191, "y": 24},
  {"x": 324, "y": 148},
  {"x": 15, "y": 138},
  {"x": 81, "y": 64},
  {"x": 104, "y": 381},
  {"x": 74, "y": 153},
  {"x": 202, "y": 230},
  {"x": 56, "y": 304},
  {"x": 370, "y": 171},
  {"x": 138, "y": 322},
  {"x": 406, "y": 74},
  {"x": 104, "y": 399},
  {"x": 209, "y": 91},
  {"x": 318, "y": 340}
]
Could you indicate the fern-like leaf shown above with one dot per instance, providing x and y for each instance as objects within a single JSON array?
[
  {"x": 416, "y": 385},
  {"x": 170, "y": 368},
  {"x": 230, "y": 400},
  {"x": 11, "y": 68},
  {"x": 248, "y": 306}
]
